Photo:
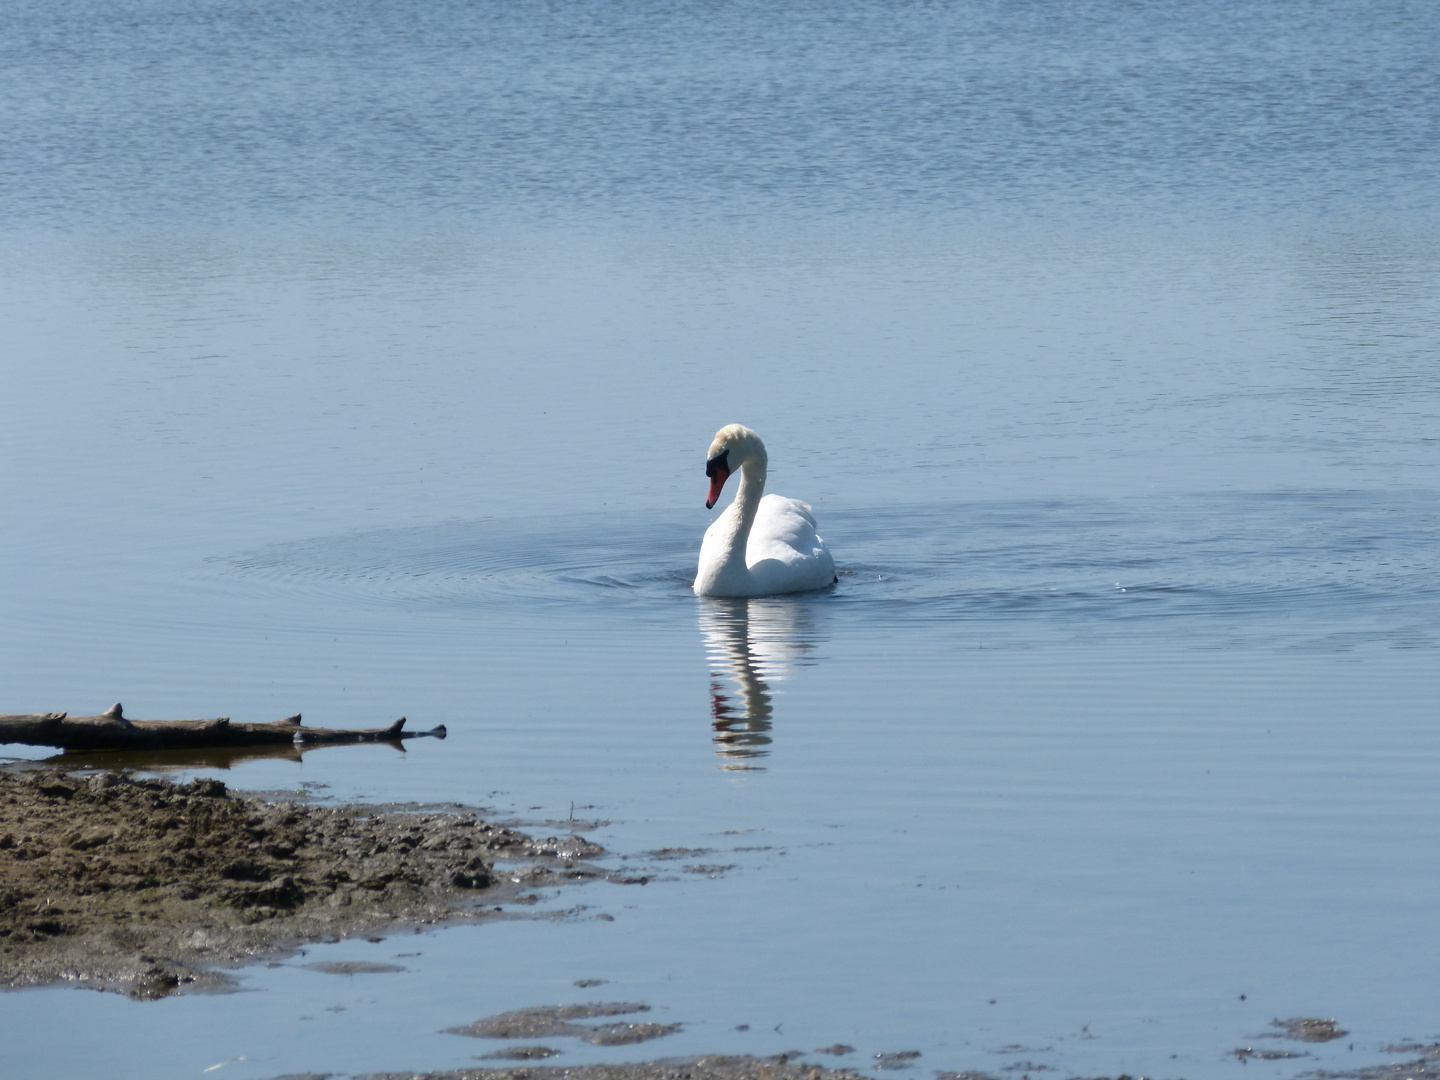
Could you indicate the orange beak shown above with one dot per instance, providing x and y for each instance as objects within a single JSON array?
[{"x": 717, "y": 481}]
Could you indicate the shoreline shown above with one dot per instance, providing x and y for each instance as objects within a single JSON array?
[{"x": 148, "y": 888}]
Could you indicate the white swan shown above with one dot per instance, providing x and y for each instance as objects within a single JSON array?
[{"x": 762, "y": 544}]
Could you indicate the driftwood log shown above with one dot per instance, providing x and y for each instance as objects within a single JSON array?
[{"x": 111, "y": 730}]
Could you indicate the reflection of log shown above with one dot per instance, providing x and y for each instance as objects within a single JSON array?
[
  {"x": 112, "y": 731},
  {"x": 180, "y": 758}
]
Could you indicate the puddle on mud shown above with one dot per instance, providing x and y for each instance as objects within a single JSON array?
[{"x": 353, "y": 967}]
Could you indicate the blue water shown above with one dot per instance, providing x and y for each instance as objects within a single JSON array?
[{"x": 360, "y": 360}]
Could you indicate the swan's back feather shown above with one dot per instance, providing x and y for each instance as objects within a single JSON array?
[
  {"x": 784, "y": 529},
  {"x": 785, "y": 552}
]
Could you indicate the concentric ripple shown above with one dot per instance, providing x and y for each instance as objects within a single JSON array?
[
  {"x": 1305, "y": 565},
  {"x": 576, "y": 559}
]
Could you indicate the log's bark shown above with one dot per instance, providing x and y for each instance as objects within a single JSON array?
[{"x": 112, "y": 730}]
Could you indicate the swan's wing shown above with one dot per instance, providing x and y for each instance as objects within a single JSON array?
[
  {"x": 785, "y": 552},
  {"x": 784, "y": 529},
  {"x": 782, "y": 507}
]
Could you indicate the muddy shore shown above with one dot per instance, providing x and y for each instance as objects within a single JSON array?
[
  {"x": 710, "y": 1067},
  {"x": 784, "y": 1067},
  {"x": 147, "y": 887}
]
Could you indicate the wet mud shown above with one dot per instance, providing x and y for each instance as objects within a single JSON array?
[
  {"x": 147, "y": 887},
  {"x": 549, "y": 1021},
  {"x": 714, "y": 1067},
  {"x": 785, "y": 1067},
  {"x": 1309, "y": 1029},
  {"x": 1426, "y": 1064}
]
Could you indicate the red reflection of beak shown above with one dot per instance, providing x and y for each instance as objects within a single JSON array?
[{"x": 716, "y": 483}]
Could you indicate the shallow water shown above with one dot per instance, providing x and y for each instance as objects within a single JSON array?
[{"x": 364, "y": 367}]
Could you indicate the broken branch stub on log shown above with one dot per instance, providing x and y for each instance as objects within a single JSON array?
[{"x": 111, "y": 730}]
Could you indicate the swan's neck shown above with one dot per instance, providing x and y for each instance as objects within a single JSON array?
[
  {"x": 752, "y": 488},
  {"x": 747, "y": 503}
]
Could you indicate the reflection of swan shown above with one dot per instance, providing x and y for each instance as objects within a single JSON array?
[
  {"x": 762, "y": 544},
  {"x": 749, "y": 641}
]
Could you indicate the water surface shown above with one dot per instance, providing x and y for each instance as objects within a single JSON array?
[{"x": 361, "y": 362}]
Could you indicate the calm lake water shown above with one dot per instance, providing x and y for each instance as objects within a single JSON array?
[{"x": 359, "y": 359}]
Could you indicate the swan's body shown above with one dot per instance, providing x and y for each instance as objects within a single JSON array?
[{"x": 762, "y": 544}]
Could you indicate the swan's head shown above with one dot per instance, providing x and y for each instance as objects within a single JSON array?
[{"x": 735, "y": 446}]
